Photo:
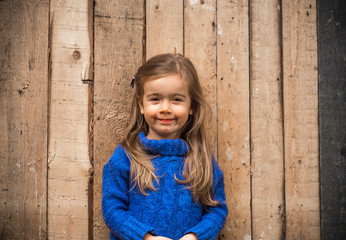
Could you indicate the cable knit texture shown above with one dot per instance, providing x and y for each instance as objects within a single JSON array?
[{"x": 169, "y": 211}]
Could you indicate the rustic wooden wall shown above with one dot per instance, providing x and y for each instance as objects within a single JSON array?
[
  {"x": 65, "y": 98},
  {"x": 69, "y": 164},
  {"x": 300, "y": 101},
  {"x": 23, "y": 118},
  {"x": 253, "y": 62},
  {"x": 233, "y": 114},
  {"x": 266, "y": 121},
  {"x": 119, "y": 30}
]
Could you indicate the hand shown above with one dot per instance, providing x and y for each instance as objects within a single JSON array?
[
  {"x": 189, "y": 236},
  {"x": 148, "y": 236}
]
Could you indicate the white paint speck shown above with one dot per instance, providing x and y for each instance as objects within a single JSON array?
[
  {"x": 193, "y": 2},
  {"x": 18, "y": 165},
  {"x": 234, "y": 62},
  {"x": 209, "y": 8},
  {"x": 229, "y": 153},
  {"x": 247, "y": 237},
  {"x": 224, "y": 126},
  {"x": 219, "y": 30}
]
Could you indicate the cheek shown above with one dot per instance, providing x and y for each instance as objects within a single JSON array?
[
  {"x": 149, "y": 110},
  {"x": 183, "y": 113}
]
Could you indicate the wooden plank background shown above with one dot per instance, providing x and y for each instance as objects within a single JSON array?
[
  {"x": 65, "y": 98},
  {"x": 301, "y": 120},
  {"x": 266, "y": 121},
  {"x": 69, "y": 164},
  {"x": 23, "y": 119},
  {"x": 119, "y": 30},
  {"x": 233, "y": 120}
]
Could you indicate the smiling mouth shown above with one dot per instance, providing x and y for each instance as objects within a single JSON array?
[{"x": 165, "y": 121}]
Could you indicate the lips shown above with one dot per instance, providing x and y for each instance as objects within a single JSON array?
[{"x": 165, "y": 121}]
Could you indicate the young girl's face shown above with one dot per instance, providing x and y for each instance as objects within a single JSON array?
[{"x": 166, "y": 105}]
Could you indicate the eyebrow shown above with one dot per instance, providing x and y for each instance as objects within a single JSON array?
[{"x": 159, "y": 94}]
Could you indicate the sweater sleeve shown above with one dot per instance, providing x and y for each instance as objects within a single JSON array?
[
  {"x": 115, "y": 199},
  {"x": 214, "y": 218}
]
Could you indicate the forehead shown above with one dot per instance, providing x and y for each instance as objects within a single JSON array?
[{"x": 170, "y": 84}]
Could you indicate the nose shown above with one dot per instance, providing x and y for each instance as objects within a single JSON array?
[{"x": 165, "y": 106}]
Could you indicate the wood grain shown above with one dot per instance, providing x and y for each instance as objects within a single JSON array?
[
  {"x": 201, "y": 50},
  {"x": 164, "y": 27},
  {"x": 68, "y": 160},
  {"x": 301, "y": 119},
  {"x": 61, "y": 114},
  {"x": 119, "y": 29},
  {"x": 23, "y": 119},
  {"x": 234, "y": 114},
  {"x": 266, "y": 121}
]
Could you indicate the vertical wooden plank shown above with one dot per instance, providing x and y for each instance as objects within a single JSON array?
[
  {"x": 23, "y": 118},
  {"x": 233, "y": 114},
  {"x": 164, "y": 24},
  {"x": 119, "y": 29},
  {"x": 266, "y": 120},
  {"x": 301, "y": 119},
  {"x": 201, "y": 50},
  {"x": 69, "y": 163},
  {"x": 332, "y": 115}
]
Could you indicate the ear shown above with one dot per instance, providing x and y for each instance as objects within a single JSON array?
[
  {"x": 190, "y": 112},
  {"x": 140, "y": 105}
]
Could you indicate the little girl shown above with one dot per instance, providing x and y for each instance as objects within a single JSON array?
[{"x": 163, "y": 182}]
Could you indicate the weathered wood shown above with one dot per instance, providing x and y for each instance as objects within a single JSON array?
[
  {"x": 266, "y": 120},
  {"x": 68, "y": 160},
  {"x": 332, "y": 115},
  {"x": 233, "y": 114},
  {"x": 23, "y": 119},
  {"x": 201, "y": 50},
  {"x": 216, "y": 39},
  {"x": 164, "y": 27},
  {"x": 119, "y": 29},
  {"x": 301, "y": 119}
]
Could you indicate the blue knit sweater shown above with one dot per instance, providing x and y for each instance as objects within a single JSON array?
[{"x": 170, "y": 211}]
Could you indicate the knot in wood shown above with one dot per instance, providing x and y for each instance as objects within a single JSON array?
[{"x": 76, "y": 55}]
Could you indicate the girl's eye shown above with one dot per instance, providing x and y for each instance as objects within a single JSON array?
[
  {"x": 154, "y": 99},
  {"x": 177, "y": 100}
]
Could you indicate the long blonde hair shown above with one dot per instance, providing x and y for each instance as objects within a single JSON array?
[{"x": 198, "y": 169}]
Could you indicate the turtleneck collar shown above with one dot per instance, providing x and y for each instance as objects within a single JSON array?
[{"x": 164, "y": 147}]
